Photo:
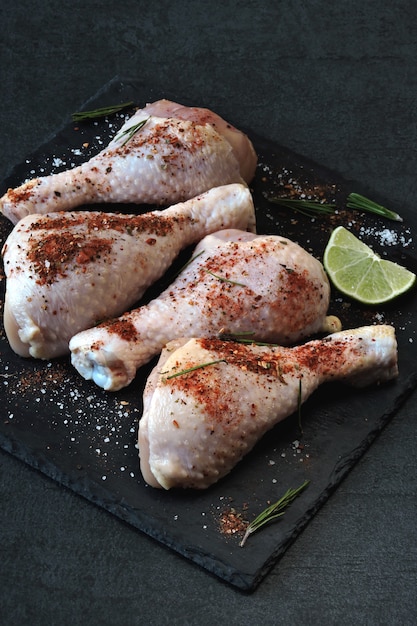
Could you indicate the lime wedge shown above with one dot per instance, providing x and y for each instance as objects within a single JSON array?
[{"x": 357, "y": 271}]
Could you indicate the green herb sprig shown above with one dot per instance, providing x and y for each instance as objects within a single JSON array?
[
  {"x": 81, "y": 116},
  {"x": 128, "y": 133},
  {"x": 361, "y": 203},
  {"x": 310, "y": 208},
  {"x": 273, "y": 511},
  {"x": 192, "y": 369},
  {"x": 193, "y": 258},
  {"x": 244, "y": 337},
  {"x": 316, "y": 208},
  {"x": 224, "y": 280}
]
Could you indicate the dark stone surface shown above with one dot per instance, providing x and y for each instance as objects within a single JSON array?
[{"x": 336, "y": 82}]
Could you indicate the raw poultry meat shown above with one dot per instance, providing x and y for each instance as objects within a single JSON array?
[
  {"x": 207, "y": 402},
  {"x": 68, "y": 271},
  {"x": 236, "y": 283},
  {"x": 165, "y": 153}
]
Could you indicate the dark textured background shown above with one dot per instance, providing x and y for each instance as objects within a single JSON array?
[{"x": 336, "y": 82}]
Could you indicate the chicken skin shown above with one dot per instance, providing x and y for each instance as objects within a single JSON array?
[
  {"x": 68, "y": 271},
  {"x": 164, "y": 154},
  {"x": 235, "y": 283},
  {"x": 207, "y": 402}
]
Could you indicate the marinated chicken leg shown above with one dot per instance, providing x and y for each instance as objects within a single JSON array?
[
  {"x": 165, "y": 153},
  {"x": 236, "y": 282},
  {"x": 207, "y": 402},
  {"x": 67, "y": 271}
]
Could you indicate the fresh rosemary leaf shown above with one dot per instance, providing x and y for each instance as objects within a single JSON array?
[
  {"x": 243, "y": 338},
  {"x": 315, "y": 208},
  {"x": 310, "y": 208},
  {"x": 273, "y": 511},
  {"x": 128, "y": 133},
  {"x": 192, "y": 369},
  {"x": 81, "y": 116},
  {"x": 361, "y": 203},
  {"x": 193, "y": 258},
  {"x": 224, "y": 280}
]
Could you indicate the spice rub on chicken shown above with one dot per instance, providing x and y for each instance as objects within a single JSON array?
[
  {"x": 264, "y": 286},
  {"x": 164, "y": 154},
  {"x": 67, "y": 271},
  {"x": 207, "y": 402}
]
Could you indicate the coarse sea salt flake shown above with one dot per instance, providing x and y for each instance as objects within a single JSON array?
[{"x": 57, "y": 162}]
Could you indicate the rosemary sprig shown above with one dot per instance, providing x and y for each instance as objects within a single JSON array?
[
  {"x": 128, "y": 133},
  {"x": 315, "y": 208},
  {"x": 224, "y": 280},
  {"x": 357, "y": 201},
  {"x": 310, "y": 208},
  {"x": 273, "y": 511},
  {"x": 192, "y": 369},
  {"x": 183, "y": 267},
  {"x": 243, "y": 338},
  {"x": 81, "y": 116}
]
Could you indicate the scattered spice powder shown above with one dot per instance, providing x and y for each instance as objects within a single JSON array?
[
  {"x": 71, "y": 241},
  {"x": 35, "y": 379},
  {"x": 231, "y": 522},
  {"x": 123, "y": 327},
  {"x": 52, "y": 254},
  {"x": 95, "y": 221}
]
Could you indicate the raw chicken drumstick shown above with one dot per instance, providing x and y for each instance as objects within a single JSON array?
[
  {"x": 178, "y": 153},
  {"x": 207, "y": 402},
  {"x": 67, "y": 271},
  {"x": 236, "y": 283}
]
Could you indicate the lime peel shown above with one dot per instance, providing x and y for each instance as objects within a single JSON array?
[{"x": 358, "y": 272}]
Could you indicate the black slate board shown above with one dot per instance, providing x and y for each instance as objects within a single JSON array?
[{"x": 85, "y": 438}]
